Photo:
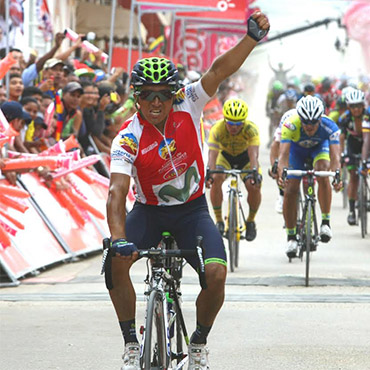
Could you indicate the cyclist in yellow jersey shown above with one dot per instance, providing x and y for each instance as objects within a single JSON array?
[{"x": 234, "y": 143}]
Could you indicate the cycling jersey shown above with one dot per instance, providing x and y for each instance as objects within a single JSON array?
[
  {"x": 168, "y": 168},
  {"x": 220, "y": 139},
  {"x": 347, "y": 124},
  {"x": 286, "y": 115},
  {"x": 292, "y": 132}
]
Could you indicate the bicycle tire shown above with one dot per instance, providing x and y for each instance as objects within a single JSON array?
[
  {"x": 363, "y": 206},
  {"x": 308, "y": 242},
  {"x": 155, "y": 355},
  {"x": 232, "y": 230}
]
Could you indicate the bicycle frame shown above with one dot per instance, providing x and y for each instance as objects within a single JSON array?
[
  {"x": 163, "y": 306},
  {"x": 308, "y": 230}
]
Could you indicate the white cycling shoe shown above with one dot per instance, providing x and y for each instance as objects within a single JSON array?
[
  {"x": 279, "y": 204},
  {"x": 131, "y": 357},
  {"x": 325, "y": 233},
  {"x": 198, "y": 357},
  {"x": 292, "y": 248}
]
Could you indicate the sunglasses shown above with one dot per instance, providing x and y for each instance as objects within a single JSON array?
[
  {"x": 234, "y": 123},
  {"x": 150, "y": 95},
  {"x": 312, "y": 123},
  {"x": 357, "y": 105}
]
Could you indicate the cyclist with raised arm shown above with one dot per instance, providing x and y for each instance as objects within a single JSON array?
[
  {"x": 308, "y": 135},
  {"x": 160, "y": 146},
  {"x": 234, "y": 143},
  {"x": 354, "y": 139}
]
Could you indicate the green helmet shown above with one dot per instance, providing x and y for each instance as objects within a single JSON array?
[
  {"x": 277, "y": 85},
  {"x": 154, "y": 71}
]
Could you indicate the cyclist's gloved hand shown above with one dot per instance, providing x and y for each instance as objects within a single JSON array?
[
  {"x": 123, "y": 247},
  {"x": 254, "y": 29}
]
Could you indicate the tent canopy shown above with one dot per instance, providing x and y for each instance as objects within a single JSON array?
[{"x": 97, "y": 19}]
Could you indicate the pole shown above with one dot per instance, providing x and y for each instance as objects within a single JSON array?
[
  {"x": 7, "y": 46},
  {"x": 184, "y": 52},
  {"x": 139, "y": 24},
  {"x": 114, "y": 6},
  {"x": 172, "y": 40},
  {"x": 131, "y": 31}
]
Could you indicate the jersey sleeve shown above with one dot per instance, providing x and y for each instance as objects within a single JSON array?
[
  {"x": 366, "y": 124},
  {"x": 290, "y": 130},
  {"x": 213, "y": 139},
  {"x": 332, "y": 129},
  {"x": 124, "y": 152},
  {"x": 253, "y": 134}
]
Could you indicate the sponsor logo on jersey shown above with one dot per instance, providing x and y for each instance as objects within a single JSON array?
[
  {"x": 129, "y": 143},
  {"x": 171, "y": 174},
  {"x": 190, "y": 93},
  {"x": 164, "y": 146},
  {"x": 335, "y": 136},
  {"x": 117, "y": 154},
  {"x": 149, "y": 148},
  {"x": 308, "y": 143},
  {"x": 180, "y": 96},
  {"x": 289, "y": 125}
]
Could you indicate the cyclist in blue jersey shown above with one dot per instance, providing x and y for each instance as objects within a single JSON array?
[{"x": 308, "y": 135}]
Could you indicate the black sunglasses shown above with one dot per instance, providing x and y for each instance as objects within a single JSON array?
[{"x": 150, "y": 95}]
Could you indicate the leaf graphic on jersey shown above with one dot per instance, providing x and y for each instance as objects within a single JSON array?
[{"x": 181, "y": 195}]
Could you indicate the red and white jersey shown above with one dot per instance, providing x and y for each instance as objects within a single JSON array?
[{"x": 168, "y": 169}]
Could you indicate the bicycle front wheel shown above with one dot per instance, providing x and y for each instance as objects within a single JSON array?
[
  {"x": 363, "y": 199},
  {"x": 232, "y": 233},
  {"x": 309, "y": 241},
  {"x": 155, "y": 356}
]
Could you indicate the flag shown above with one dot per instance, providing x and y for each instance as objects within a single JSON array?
[
  {"x": 44, "y": 19},
  {"x": 156, "y": 45},
  {"x": 16, "y": 13}
]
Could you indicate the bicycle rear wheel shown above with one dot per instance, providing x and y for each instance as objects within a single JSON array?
[
  {"x": 309, "y": 241},
  {"x": 232, "y": 232},
  {"x": 155, "y": 356},
  {"x": 363, "y": 199}
]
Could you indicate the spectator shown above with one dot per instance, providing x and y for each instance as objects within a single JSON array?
[
  {"x": 53, "y": 74},
  {"x": 45, "y": 102},
  {"x": 71, "y": 117},
  {"x": 15, "y": 87},
  {"x": 33, "y": 92},
  {"x": 2, "y": 95}
]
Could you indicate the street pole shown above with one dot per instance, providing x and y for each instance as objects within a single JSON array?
[{"x": 114, "y": 6}]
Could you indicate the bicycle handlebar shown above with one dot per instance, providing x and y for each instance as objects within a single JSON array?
[
  {"x": 335, "y": 174},
  {"x": 236, "y": 172}
]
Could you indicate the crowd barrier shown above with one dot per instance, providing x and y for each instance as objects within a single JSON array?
[{"x": 40, "y": 226}]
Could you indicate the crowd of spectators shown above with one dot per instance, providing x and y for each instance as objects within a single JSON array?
[{"x": 62, "y": 93}]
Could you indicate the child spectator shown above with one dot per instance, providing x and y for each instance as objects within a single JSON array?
[{"x": 15, "y": 87}]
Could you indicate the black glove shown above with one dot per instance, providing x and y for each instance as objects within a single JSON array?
[
  {"x": 255, "y": 31},
  {"x": 123, "y": 247}
]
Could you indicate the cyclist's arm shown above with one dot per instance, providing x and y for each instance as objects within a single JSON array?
[
  {"x": 116, "y": 204},
  {"x": 334, "y": 156},
  {"x": 284, "y": 151},
  {"x": 365, "y": 145},
  {"x": 253, "y": 156},
  {"x": 228, "y": 63},
  {"x": 342, "y": 139},
  {"x": 212, "y": 157}
]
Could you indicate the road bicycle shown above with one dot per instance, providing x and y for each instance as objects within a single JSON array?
[
  {"x": 235, "y": 225},
  {"x": 164, "y": 332},
  {"x": 363, "y": 192},
  {"x": 307, "y": 226},
  {"x": 364, "y": 199}
]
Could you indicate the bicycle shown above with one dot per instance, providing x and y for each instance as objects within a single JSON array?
[
  {"x": 364, "y": 199},
  {"x": 307, "y": 226},
  {"x": 164, "y": 331},
  {"x": 235, "y": 220},
  {"x": 363, "y": 192}
]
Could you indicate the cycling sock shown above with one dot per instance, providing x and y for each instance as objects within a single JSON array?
[
  {"x": 128, "y": 329},
  {"x": 281, "y": 192},
  {"x": 200, "y": 335},
  {"x": 325, "y": 217},
  {"x": 352, "y": 203},
  {"x": 252, "y": 215},
  {"x": 292, "y": 233},
  {"x": 218, "y": 213}
]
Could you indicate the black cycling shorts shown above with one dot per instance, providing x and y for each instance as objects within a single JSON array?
[{"x": 145, "y": 224}]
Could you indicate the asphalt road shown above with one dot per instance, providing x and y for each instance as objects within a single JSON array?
[{"x": 63, "y": 318}]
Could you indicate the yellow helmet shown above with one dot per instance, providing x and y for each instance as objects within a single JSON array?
[{"x": 235, "y": 110}]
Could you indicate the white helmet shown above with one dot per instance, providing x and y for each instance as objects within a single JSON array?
[
  {"x": 310, "y": 109},
  {"x": 355, "y": 96}
]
